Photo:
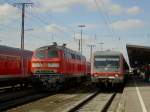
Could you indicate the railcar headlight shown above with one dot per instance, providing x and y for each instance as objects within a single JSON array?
[
  {"x": 53, "y": 64},
  {"x": 36, "y": 65}
]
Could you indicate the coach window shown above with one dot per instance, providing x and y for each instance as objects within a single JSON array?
[
  {"x": 69, "y": 55},
  {"x": 65, "y": 56},
  {"x": 79, "y": 57},
  {"x": 52, "y": 54},
  {"x": 73, "y": 56}
]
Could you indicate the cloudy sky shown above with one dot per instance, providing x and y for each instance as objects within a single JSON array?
[{"x": 113, "y": 22}]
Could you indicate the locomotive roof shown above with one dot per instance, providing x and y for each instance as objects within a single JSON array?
[
  {"x": 105, "y": 53},
  {"x": 60, "y": 48}
]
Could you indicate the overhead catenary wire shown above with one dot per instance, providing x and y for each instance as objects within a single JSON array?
[
  {"x": 46, "y": 23},
  {"x": 102, "y": 13},
  {"x": 7, "y": 26},
  {"x": 37, "y": 17},
  {"x": 109, "y": 20},
  {"x": 64, "y": 31}
]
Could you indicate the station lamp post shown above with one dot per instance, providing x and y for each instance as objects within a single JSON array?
[
  {"x": 81, "y": 42},
  {"x": 76, "y": 39},
  {"x": 91, "y": 51},
  {"x": 101, "y": 45}
]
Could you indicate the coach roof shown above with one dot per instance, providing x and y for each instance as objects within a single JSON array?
[
  {"x": 15, "y": 51},
  {"x": 105, "y": 53}
]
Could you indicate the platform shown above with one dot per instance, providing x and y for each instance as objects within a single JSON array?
[{"x": 136, "y": 96}]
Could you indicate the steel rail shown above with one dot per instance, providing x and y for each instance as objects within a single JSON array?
[{"x": 76, "y": 107}]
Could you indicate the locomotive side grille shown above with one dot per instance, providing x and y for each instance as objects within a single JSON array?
[{"x": 45, "y": 71}]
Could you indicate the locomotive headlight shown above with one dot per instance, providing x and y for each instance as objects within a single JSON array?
[
  {"x": 53, "y": 64},
  {"x": 116, "y": 75},
  {"x": 36, "y": 65}
]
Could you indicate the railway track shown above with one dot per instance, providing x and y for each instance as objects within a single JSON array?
[
  {"x": 78, "y": 100},
  {"x": 18, "y": 98},
  {"x": 96, "y": 102}
]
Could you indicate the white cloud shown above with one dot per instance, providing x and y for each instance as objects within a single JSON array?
[
  {"x": 7, "y": 12},
  {"x": 55, "y": 5},
  {"x": 91, "y": 26},
  {"x": 66, "y": 5},
  {"x": 127, "y": 24},
  {"x": 115, "y": 9},
  {"x": 55, "y": 28},
  {"x": 134, "y": 10}
]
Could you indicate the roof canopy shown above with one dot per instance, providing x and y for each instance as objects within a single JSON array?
[{"x": 138, "y": 55}]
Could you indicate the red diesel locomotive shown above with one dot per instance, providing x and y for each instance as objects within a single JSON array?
[
  {"x": 54, "y": 65},
  {"x": 108, "y": 67},
  {"x": 11, "y": 70}
]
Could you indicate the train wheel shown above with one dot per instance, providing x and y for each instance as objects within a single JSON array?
[{"x": 100, "y": 85}]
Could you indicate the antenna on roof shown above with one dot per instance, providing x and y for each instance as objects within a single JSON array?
[
  {"x": 108, "y": 50},
  {"x": 64, "y": 44},
  {"x": 54, "y": 43}
]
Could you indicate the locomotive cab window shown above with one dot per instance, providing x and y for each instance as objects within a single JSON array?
[
  {"x": 40, "y": 54},
  {"x": 52, "y": 54}
]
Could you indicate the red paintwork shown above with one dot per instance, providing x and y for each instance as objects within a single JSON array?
[
  {"x": 105, "y": 74},
  {"x": 68, "y": 65},
  {"x": 10, "y": 61}
]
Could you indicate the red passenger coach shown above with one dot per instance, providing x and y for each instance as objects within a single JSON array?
[
  {"x": 10, "y": 69},
  {"x": 54, "y": 65},
  {"x": 108, "y": 67}
]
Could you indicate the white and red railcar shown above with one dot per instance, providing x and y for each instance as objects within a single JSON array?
[{"x": 108, "y": 67}]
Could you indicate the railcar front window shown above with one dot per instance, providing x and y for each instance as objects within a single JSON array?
[
  {"x": 109, "y": 64},
  {"x": 52, "y": 54},
  {"x": 40, "y": 54}
]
